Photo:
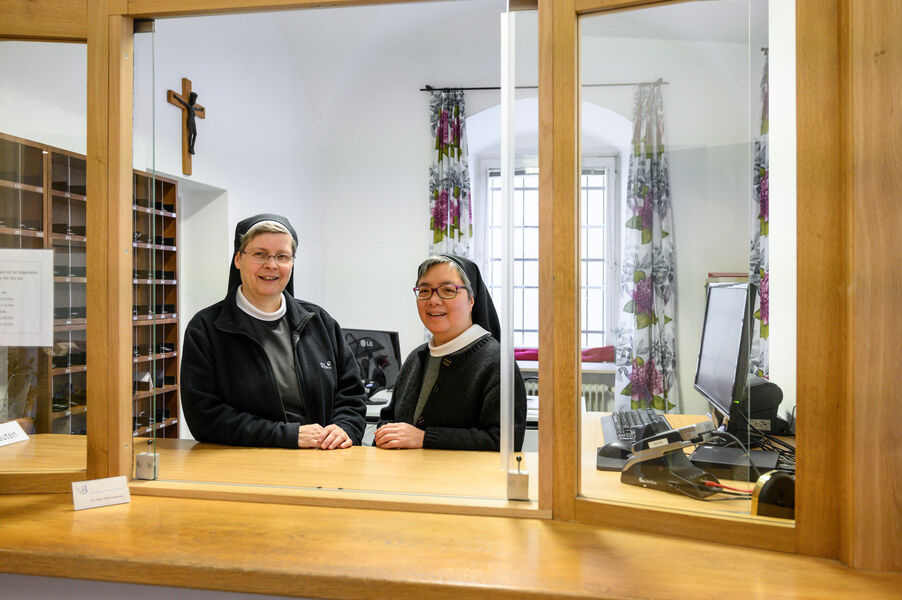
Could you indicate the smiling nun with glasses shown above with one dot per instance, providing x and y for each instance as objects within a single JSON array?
[
  {"x": 448, "y": 392},
  {"x": 262, "y": 368}
]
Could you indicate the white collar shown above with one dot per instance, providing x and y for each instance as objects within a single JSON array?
[
  {"x": 472, "y": 333},
  {"x": 248, "y": 308}
]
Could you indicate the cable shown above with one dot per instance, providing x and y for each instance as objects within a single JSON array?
[
  {"x": 771, "y": 439},
  {"x": 726, "y": 487},
  {"x": 702, "y": 486},
  {"x": 793, "y": 417},
  {"x": 748, "y": 457},
  {"x": 729, "y": 497}
]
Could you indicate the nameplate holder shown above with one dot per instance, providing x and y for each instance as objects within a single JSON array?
[
  {"x": 100, "y": 492},
  {"x": 12, "y": 432}
]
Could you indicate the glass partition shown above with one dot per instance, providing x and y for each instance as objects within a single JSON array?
[
  {"x": 321, "y": 116},
  {"x": 675, "y": 223},
  {"x": 43, "y": 242}
]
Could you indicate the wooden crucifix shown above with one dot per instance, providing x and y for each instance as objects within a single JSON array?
[{"x": 187, "y": 101}]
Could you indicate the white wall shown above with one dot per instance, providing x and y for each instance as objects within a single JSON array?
[
  {"x": 254, "y": 141},
  {"x": 43, "y": 93}
]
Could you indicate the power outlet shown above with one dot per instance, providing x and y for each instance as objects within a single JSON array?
[
  {"x": 146, "y": 465},
  {"x": 517, "y": 485}
]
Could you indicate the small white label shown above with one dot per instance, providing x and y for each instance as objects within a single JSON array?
[
  {"x": 12, "y": 432},
  {"x": 100, "y": 492},
  {"x": 656, "y": 443}
]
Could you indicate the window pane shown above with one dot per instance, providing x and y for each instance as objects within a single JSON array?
[
  {"x": 531, "y": 243},
  {"x": 518, "y": 273},
  {"x": 531, "y": 274},
  {"x": 497, "y": 207},
  {"x": 531, "y": 181},
  {"x": 595, "y": 210},
  {"x": 518, "y": 207},
  {"x": 583, "y": 309},
  {"x": 518, "y": 309},
  {"x": 594, "y": 340},
  {"x": 596, "y": 309},
  {"x": 497, "y": 241},
  {"x": 595, "y": 244},
  {"x": 531, "y": 308},
  {"x": 530, "y": 340},
  {"x": 597, "y": 180},
  {"x": 518, "y": 241},
  {"x": 496, "y": 274},
  {"x": 596, "y": 273},
  {"x": 531, "y": 208}
]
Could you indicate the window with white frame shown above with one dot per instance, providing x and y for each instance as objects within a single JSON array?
[{"x": 599, "y": 247}]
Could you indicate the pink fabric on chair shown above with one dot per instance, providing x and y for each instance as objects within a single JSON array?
[
  {"x": 602, "y": 354},
  {"x": 526, "y": 354}
]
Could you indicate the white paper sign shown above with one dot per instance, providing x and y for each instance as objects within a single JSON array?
[
  {"x": 11, "y": 432},
  {"x": 26, "y": 297},
  {"x": 100, "y": 492}
]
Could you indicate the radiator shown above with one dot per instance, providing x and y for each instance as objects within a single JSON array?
[{"x": 597, "y": 395}]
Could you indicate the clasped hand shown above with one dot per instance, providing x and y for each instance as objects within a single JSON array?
[
  {"x": 399, "y": 435},
  {"x": 327, "y": 438}
]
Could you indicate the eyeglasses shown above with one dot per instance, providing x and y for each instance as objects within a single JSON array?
[
  {"x": 445, "y": 292},
  {"x": 261, "y": 258}
]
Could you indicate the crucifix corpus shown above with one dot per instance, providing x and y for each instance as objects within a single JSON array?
[{"x": 187, "y": 101}]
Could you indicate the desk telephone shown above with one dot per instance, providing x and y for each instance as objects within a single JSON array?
[{"x": 657, "y": 460}]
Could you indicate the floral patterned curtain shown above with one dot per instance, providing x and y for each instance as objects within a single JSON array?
[
  {"x": 759, "y": 262},
  {"x": 645, "y": 353},
  {"x": 450, "y": 210}
]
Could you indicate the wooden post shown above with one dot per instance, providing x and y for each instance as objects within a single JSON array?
[{"x": 109, "y": 211}]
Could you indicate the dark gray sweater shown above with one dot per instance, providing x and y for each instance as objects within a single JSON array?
[{"x": 463, "y": 409}]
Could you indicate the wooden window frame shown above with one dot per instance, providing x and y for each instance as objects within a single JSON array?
[{"x": 840, "y": 79}]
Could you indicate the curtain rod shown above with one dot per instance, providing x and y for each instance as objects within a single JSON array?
[{"x": 432, "y": 88}]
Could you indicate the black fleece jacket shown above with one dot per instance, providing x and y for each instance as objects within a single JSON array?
[
  {"x": 229, "y": 391},
  {"x": 463, "y": 411}
]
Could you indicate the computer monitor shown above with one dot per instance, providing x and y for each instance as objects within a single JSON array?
[
  {"x": 723, "y": 356},
  {"x": 378, "y": 355}
]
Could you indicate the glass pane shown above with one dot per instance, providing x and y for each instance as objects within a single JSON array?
[
  {"x": 531, "y": 242},
  {"x": 531, "y": 207},
  {"x": 531, "y": 270},
  {"x": 595, "y": 273},
  {"x": 295, "y": 159},
  {"x": 595, "y": 205},
  {"x": 595, "y": 246},
  {"x": 693, "y": 158},
  {"x": 43, "y": 256}
]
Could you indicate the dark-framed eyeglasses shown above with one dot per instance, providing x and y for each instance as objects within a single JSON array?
[
  {"x": 261, "y": 258},
  {"x": 445, "y": 292}
]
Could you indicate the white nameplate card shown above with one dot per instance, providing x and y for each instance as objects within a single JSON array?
[
  {"x": 12, "y": 432},
  {"x": 100, "y": 492}
]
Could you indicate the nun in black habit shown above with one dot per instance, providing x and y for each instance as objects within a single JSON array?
[
  {"x": 449, "y": 389},
  {"x": 262, "y": 368}
]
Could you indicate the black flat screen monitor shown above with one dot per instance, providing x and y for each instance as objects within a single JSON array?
[
  {"x": 723, "y": 357},
  {"x": 378, "y": 355}
]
